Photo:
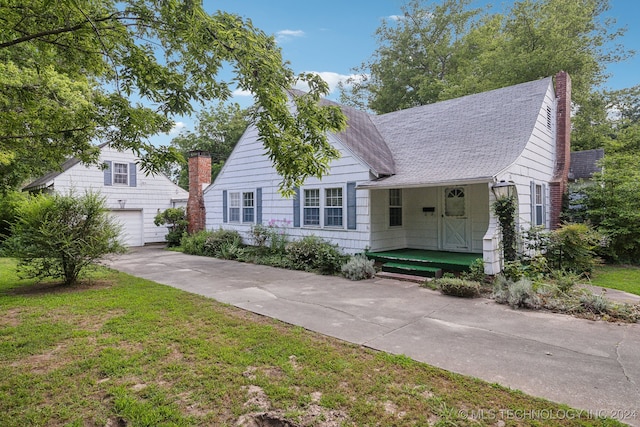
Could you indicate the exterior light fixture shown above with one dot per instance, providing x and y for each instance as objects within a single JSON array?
[{"x": 503, "y": 189}]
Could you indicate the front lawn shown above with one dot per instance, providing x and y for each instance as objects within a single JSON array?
[
  {"x": 622, "y": 277},
  {"x": 118, "y": 350}
]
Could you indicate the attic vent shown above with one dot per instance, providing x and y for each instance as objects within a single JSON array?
[{"x": 548, "y": 117}]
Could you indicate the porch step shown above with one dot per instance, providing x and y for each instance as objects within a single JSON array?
[
  {"x": 414, "y": 270},
  {"x": 446, "y": 261}
]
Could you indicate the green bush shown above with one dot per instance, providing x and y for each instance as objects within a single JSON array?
[
  {"x": 520, "y": 293},
  {"x": 59, "y": 236},
  {"x": 8, "y": 210},
  {"x": 176, "y": 221},
  {"x": 314, "y": 254},
  {"x": 476, "y": 271},
  {"x": 193, "y": 244},
  {"x": 221, "y": 239},
  {"x": 359, "y": 267},
  {"x": 458, "y": 287},
  {"x": 572, "y": 248}
]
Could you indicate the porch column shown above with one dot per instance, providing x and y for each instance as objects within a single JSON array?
[{"x": 492, "y": 242}]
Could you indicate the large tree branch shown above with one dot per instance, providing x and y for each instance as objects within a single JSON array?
[
  {"x": 67, "y": 29},
  {"x": 41, "y": 135}
]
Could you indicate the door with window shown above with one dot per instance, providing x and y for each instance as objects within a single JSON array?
[{"x": 456, "y": 233}]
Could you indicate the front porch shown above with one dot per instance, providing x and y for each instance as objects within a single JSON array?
[{"x": 425, "y": 263}]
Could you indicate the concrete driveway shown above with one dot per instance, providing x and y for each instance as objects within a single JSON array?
[{"x": 588, "y": 365}]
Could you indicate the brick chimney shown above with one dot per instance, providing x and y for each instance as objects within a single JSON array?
[
  {"x": 199, "y": 179},
  {"x": 558, "y": 185}
]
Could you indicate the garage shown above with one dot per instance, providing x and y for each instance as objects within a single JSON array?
[{"x": 132, "y": 226}]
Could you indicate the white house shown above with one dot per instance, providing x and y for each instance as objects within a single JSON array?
[
  {"x": 421, "y": 178},
  {"x": 132, "y": 196}
]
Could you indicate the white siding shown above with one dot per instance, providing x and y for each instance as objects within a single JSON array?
[
  {"x": 152, "y": 193},
  {"x": 536, "y": 163},
  {"x": 248, "y": 168}
]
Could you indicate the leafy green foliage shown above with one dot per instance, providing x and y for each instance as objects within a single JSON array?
[
  {"x": 572, "y": 248},
  {"x": 446, "y": 50},
  {"x": 176, "y": 221},
  {"x": 8, "y": 206},
  {"x": 505, "y": 210},
  {"x": 359, "y": 267},
  {"x": 218, "y": 129},
  {"x": 59, "y": 236},
  {"x": 458, "y": 287},
  {"x": 210, "y": 243},
  {"x": 73, "y": 73},
  {"x": 311, "y": 253}
]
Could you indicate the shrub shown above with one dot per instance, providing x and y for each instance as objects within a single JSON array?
[
  {"x": 176, "y": 221},
  {"x": 314, "y": 254},
  {"x": 359, "y": 267},
  {"x": 596, "y": 304},
  {"x": 270, "y": 236},
  {"x": 8, "y": 211},
  {"x": 193, "y": 244},
  {"x": 572, "y": 248},
  {"x": 520, "y": 293},
  {"x": 220, "y": 238},
  {"x": 458, "y": 287},
  {"x": 59, "y": 236},
  {"x": 476, "y": 271},
  {"x": 564, "y": 280}
]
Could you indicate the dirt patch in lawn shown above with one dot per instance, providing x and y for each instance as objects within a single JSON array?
[{"x": 59, "y": 287}]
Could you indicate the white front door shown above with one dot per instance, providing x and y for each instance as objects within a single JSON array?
[{"x": 455, "y": 220}]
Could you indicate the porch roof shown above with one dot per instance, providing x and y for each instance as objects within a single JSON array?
[{"x": 465, "y": 140}]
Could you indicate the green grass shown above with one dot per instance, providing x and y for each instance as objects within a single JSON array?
[
  {"x": 621, "y": 277},
  {"x": 120, "y": 350}
]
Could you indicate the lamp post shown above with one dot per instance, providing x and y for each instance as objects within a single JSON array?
[
  {"x": 503, "y": 189},
  {"x": 505, "y": 209}
]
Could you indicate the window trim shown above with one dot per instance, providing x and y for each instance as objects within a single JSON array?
[
  {"x": 538, "y": 205},
  {"x": 249, "y": 208},
  {"x": 235, "y": 207},
  {"x": 116, "y": 173},
  {"x": 315, "y": 207},
  {"x": 323, "y": 206},
  {"x": 395, "y": 206}
]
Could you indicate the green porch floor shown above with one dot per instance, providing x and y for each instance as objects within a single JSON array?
[{"x": 424, "y": 261}]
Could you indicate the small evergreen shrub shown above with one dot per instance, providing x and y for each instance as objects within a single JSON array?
[
  {"x": 517, "y": 294},
  {"x": 564, "y": 280},
  {"x": 314, "y": 254},
  {"x": 596, "y": 304},
  {"x": 359, "y": 267},
  {"x": 193, "y": 244},
  {"x": 458, "y": 287}
]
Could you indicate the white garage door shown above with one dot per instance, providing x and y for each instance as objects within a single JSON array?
[{"x": 132, "y": 227}]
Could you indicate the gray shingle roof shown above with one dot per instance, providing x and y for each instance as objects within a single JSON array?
[
  {"x": 467, "y": 139},
  {"x": 363, "y": 139},
  {"x": 585, "y": 163}
]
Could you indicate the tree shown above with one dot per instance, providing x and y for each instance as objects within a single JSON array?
[
  {"x": 77, "y": 71},
  {"x": 453, "y": 51},
  {"x": 59, "y": 236},
  {"x": 217, "y": 132}
]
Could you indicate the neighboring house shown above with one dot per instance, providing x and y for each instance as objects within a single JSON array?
[
  {"x": 419, "y": 178},
  {"x": 133, "y": 197},
  {"x": 584, "y": 164}
]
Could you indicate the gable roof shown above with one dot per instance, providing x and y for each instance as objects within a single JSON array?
[
  {"x": 468, "y": 139},
  {"x": 47, "y": 179},
  {"x": 585, "y": 163},
  {"x": 362, "y": 138}
]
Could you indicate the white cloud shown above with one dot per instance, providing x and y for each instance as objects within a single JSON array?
[
  {"x": 240, "y": 92},
  {"x": 177, "y": 127},
  {"x": 395, "y": 17},
  {"x": 332, "y": 79},
  {"x": 286, "y": 35}
]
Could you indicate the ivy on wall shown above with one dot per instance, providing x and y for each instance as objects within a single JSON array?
[{"x": 505, "y": 210}]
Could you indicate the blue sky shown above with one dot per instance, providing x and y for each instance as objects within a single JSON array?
[{"x": 331, "y": 37}]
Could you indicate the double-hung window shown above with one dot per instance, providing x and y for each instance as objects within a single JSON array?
[
  {"x": 234, "y": 207},
  {"x": 121, "y": 173},
  {"x": 395, "y": 207},
  {"x": 248, "y": 204},
  {"x": 538, "y": 205},
  {"x": 311, "y": 209},
  {"x": 333, "y": 207}
]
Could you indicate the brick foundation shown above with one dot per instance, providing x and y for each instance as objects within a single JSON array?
[{"x": 199, "y": 179}]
